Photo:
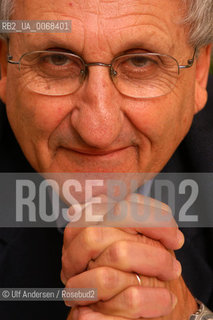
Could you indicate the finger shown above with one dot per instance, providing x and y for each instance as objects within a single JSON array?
[
  {"x": 69, "y": 234},
  {"x": 141, "y": 258},
  {"x": 147, "y": 216},
  {"x": 85, "y": 313},
  {"x": 136, "y": 302},
  {"x": 107, "y": 281},
  {"x": 98, "y": 209},
  {"x": 91, "y": 242},
  {"x": 73, "y": 314},
  {"x": 87, "y": 246},
  {"x": 142, "y": 214}
]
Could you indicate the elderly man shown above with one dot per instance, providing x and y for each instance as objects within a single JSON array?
[{"x": 117, "y": 94}]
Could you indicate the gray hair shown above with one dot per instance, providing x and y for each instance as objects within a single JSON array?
[
  {"x": 199, "y": 19},
  {"x": 6, "y": 9}
]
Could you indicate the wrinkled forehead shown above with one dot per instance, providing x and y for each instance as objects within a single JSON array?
[
  {"x": 104, "y": 9},
  {"x": 116, "y": 25}
]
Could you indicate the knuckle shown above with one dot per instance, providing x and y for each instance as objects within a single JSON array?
[
  {"x": 82, "y": 316},
  {"x": 92, "y": 236},
  {"x": 132, "y": 299},
  {"x": 118, "y": 252},
  {"x": 107, "y": 278}
]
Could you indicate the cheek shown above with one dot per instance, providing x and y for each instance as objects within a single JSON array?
[
  {"x": 36, "y": 116},
  {"x": 163, "y": 122},
  {"x": 33, "y": 119},
  {"x": 170, "y": 113}
]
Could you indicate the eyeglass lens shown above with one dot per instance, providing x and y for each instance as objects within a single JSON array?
[{"x": 139, "y": 75}]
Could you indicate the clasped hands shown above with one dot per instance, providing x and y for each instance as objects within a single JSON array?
[{"x": 109, "y": 257}]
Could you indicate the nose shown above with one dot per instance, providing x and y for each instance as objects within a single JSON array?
[{"x": 97, "y": 116}]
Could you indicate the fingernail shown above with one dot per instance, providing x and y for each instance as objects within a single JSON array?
[
  {"x": 178, "y": 268},
  {"x": 75, "y": 314},
  {"x": 174, "y": 301},
  {"x": 181, "y": 238}
]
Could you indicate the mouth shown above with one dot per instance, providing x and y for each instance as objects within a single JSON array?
[
  {"x": 98, "y": 153},
  {"x": 84, "y": 159},
  {"x": 115, "y": 156}
]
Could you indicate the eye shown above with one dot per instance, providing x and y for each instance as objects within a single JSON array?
[
  {"x": 140, "y": 61},
  {"x": 56, "y": 59}
]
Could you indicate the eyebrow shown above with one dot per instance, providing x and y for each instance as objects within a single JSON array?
[
  {"x": 148, "y": 47},
  {"x": 66, "y": 44},
  {"x": 50, "y": 41}
]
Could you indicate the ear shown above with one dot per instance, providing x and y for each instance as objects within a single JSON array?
[
  {"x": 202, "y": 72},
  {"x": 3, "y": 69}
]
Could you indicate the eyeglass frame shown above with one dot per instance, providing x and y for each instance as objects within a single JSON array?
[{"x": 102, "y": 64}]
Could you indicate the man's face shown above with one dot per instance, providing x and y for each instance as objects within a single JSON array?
[{"x": 97, "y": 128}]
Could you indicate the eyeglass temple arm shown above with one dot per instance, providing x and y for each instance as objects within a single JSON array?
[
  {"x": 9, "y": 59},
  {"x": 190, "y": 61}
]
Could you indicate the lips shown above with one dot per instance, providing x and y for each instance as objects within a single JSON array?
[
  {"x": 87, "y": 159},
  {"x": 98, "y": 152}
]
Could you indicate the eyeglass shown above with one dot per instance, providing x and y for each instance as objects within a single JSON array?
[{"x": 137, "y": 75}]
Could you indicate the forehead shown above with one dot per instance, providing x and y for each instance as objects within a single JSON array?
[{"x": 113, "y": 25}]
